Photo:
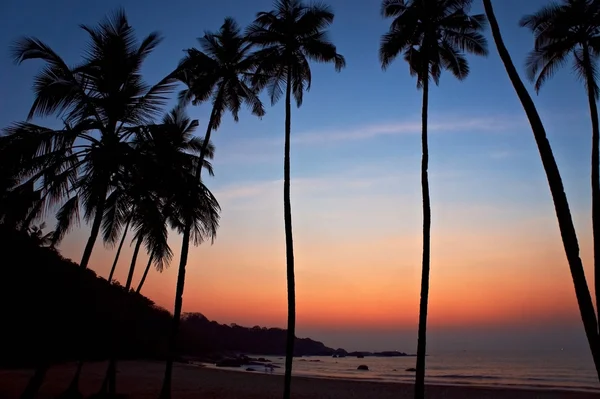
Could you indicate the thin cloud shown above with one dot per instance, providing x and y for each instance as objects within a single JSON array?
[
  {"x": 451, "y": 125},
  {"x": 268, "y": 150}
]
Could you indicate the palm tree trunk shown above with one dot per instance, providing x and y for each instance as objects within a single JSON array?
[
  {"x": 74, "y": 386},
  {"x": 595, "y": 173},
  {"x": 87, "y": 252},
  {"x": 289, "y": 245},
  {"x": 165, "y": 392},
  {"x": 136, "y": 251},
  {"x": 114, "y": 265},
  {"x": 561, "y": 205},
  {"x": 422, "y": 334},
  {"x": 35, "y": 382},
  {"x": 111, "y": 371},
  {"x": 139, "y": 288}
]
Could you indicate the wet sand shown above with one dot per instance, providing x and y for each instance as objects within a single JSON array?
[{"x": 143, "y": 379}]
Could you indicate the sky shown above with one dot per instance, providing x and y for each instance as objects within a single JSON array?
[{"x": 499, "y": 276}]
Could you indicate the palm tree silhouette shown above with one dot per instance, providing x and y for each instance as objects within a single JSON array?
[
  {"x": 289, "y": 36},
  {"x": 101, "y": 101},
  {"x": 105, "y": 94},
  {"x": 176, "y": 129},
  {"x": 571, "y": 28},
  {"x": 559, "y": 197},
  {"x": 219, "y": 72},
  {"x": 433, "y": 35},
  {"x": 166, "y": 159}
]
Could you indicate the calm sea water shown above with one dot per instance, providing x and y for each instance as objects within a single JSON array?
[{"x": 548, "y": 370}]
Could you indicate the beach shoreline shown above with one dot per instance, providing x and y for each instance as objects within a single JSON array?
[
  {"x": 531, "y": 387},
  {"x": 143, "y": 379}
]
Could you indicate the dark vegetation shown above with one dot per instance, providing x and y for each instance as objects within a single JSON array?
[{"x": 41, "y": 319}]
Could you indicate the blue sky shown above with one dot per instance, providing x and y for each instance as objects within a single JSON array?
[
  {"x": 356, "y": 146},
  {"x": 356, "y": 106}
]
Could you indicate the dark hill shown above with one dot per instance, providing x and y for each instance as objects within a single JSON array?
[{"x": 51, "y": 308}]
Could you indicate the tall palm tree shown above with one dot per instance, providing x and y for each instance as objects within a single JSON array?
[
  {"x": 219, "y": 72},
  {"x": 433, "y": 35},
  {"x": 99, "y": 100},
  {"x": 571, "y": 28},
  {"x": 150, "y": 228},
  {"x": 121, "y": 203},
  {"x": 290, "y": 36},
  {"x": 103, "y": 96},
  {"x": 557, "y": 190},
  {"x": 166, "y": 159}
]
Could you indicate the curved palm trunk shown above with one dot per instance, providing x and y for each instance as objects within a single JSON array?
[
  {"x": 87, "y": 252},
  {"x": 139, "y": 288},
  {"x": 165, "y": 392},
  {"x": 111, "y": 372},
  {"x": 35, "y": 382},
  {"x": 422, "y": 334},
  {"x": 114, "y": 265},
  {"x": 136, "y": 251},
  {"x": 595, "y": 174},
  {"x": 561, "y": 205},
  {"x": 289, "y": 246}
]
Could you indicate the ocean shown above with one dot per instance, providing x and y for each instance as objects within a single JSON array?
[{"x": 557, "y": 370}]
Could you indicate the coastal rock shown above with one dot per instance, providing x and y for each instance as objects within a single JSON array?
[
  {"x": 250, "y": 369},
  {"x": 411, "y": 369},
  {"x": 363, "y": 367}
]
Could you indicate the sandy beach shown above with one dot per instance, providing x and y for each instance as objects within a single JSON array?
[{"x": 142, "y": 380}]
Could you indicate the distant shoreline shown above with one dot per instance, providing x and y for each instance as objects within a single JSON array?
[
  {"x": 142, "y": 379},
  {"x": 531, "y": 387}
]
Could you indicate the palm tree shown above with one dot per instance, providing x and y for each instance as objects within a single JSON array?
[
  {"x": 433, "y": 35},
  {"x": 99, "y": 100},
  {"x": 219, "y": 72},
  {"x": 557, "y": 190},
  {"x": 105, "y": 95},
  {"x": 571, "y": 28},
  {"x": 289, "y": 36},
  {"x": 166, "y": 158},
  {"x": 150, "y": 226}
]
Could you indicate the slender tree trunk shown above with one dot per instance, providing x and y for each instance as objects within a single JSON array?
[
  {"x": 136, "y": 251},
  {"x": 114, "y": 265},
  {"x": 139, "y": 288},
  {"x": 289, "y": 246},
  {"x": 111, "y": 371},
  {"x": 422, "y": 334},
  {"x": 165, "y": 392},
  {"x": 595, "y": 174},
  {"x": 87, "y": 252},
  {"x": 35, "y": 382},
  {"x": 561, "y": 205}
]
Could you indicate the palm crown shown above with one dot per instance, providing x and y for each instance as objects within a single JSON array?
[
  {"x": 102, "y": 102},
  {"x": 290, "y": 36},
  {"x": 560, "y": 30},
  {"x": 220, "y": 71},
  {"x": 433, "y": 35}
]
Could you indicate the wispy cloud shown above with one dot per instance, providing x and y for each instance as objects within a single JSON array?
[
  {"x": 501, "y": 154},
  {"x": 266, "y": 150},
  {"x": 439, "y": 125}
]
